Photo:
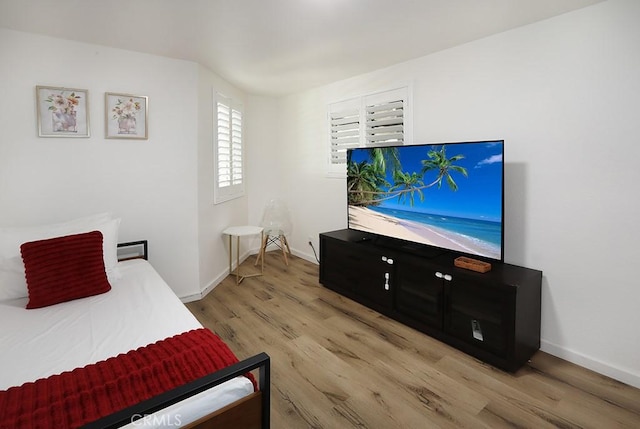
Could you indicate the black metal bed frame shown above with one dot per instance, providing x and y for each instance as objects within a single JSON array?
[{"x": 128, "y": 415}]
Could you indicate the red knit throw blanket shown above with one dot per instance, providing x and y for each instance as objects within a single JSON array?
[{"x": 74, "y": 398}]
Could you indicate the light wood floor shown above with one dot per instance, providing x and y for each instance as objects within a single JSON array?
[{"x": 337, "y": 364}]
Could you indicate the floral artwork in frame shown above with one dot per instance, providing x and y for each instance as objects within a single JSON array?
[
  {"x": 62, "y": 112},
  {"x": 126, "y": 116}
]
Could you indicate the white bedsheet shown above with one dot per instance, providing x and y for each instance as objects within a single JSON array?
[{"x": 140, "y": 309}]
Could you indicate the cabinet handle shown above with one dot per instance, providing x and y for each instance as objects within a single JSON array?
[
  {"x": 387, "y": 260},
  {"x": 386, "y": 281},
  {"x": 447, "y": 277}
]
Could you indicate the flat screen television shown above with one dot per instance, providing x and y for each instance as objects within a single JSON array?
[{"x": 446, "y": 196}]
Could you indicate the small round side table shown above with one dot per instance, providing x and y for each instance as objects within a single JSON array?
[{"x": 242, "y": 231}]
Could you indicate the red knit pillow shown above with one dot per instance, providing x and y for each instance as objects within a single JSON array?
[{"x": 64, "y": 268}]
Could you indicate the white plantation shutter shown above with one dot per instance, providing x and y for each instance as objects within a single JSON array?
[
  {"x": 224, "y": 145},
  {"x": 236, "y": 147},
  {"x": 380, "y": 119},
  {"x": 345, "y": 133},
  {"x": 228, "y": 150},
  {"x": 385, "y": 123}
]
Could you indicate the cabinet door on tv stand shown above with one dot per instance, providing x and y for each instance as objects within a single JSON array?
[
  {"x": 419, "y": 292},
  {"x": 360, "y": 270},
  {"x": 480, "y": 315},
  {"x": 375, "y": 277}
]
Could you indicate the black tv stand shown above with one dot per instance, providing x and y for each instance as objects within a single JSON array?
[{"x": 493, "y": 316}]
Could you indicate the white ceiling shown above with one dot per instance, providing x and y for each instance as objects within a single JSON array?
[{"x": 277, "y": 47}]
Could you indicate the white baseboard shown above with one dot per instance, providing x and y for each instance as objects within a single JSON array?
[
  {"x": 306, "y": 256},
  {"x": 622, "y": 375},
  {"x": 218, "y": 279},
  {"x": 190, "y": 298}
]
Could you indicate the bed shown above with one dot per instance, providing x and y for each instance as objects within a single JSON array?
[{"x": 131, "y": 356}]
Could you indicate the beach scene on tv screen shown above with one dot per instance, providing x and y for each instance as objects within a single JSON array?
[{"x": 444, "y": 195}]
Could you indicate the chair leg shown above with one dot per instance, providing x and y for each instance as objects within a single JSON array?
[
  {"x": 286, "y": 243},
  {"x": 263, "y": 248},
  {"x": 283, "y": 240}
]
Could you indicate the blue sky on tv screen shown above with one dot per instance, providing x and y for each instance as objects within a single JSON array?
[{"x": 479, "y": 196}]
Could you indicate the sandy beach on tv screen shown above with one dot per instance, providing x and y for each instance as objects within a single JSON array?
[{"x": 365, "y": 219}]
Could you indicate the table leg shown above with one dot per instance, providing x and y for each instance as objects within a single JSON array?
[
  {"x": 263, "y": 244},
  {"x": 230, "y": 253},
  {"x": 238, "y": 279}
]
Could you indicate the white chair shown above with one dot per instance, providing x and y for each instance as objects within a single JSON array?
[{"x": 276, "y": 223}]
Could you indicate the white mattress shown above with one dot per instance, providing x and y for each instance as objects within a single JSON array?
[{"x": 140, "y": 309}]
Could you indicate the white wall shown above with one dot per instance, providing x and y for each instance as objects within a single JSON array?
[
  {"x": 160, "y": 187},
  {"x": 264, "y": 155},
  {"x": 563, "y": 93}
]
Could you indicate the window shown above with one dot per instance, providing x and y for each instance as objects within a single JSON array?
[
  {"x": 228, "y": 159},
  {"x": 380, "y": 119}
]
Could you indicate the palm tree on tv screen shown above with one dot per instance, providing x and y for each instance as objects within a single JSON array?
[
  {"x": 366, "y": 181},
  {"x": 408, "y": 184},
  {"x": 438, "y": 161},
  {"x": 383, "y": 156}
]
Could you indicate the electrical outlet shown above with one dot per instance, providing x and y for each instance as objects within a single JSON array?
[{"x": 310, "y": 240}]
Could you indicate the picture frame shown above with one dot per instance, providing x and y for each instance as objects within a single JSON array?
[
  {"x": 126, "y": 116},
  {"x": 62, "y": 112}
]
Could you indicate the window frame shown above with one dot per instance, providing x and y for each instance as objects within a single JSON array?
[{"x": 236, "y": 187}]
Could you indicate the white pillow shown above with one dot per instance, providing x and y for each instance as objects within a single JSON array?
[
  {"x": 12, "y": 279},
  {"x": 12, "y": 237}
]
